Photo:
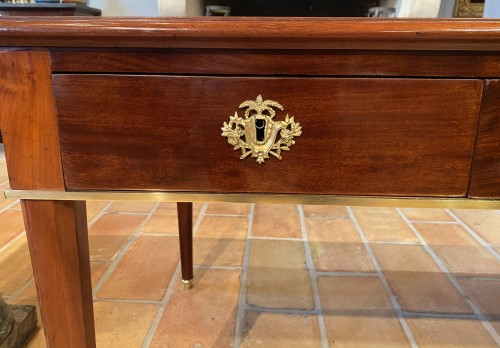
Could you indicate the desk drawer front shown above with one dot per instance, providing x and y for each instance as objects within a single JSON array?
[{"x": 360, "y": 136}]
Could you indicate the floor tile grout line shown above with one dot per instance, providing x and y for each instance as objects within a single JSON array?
[
  {"x": 291, "y": 239},
  {"x": 121, "y": 253},
  {"x": 171, "y": 285},
  {"x": 228, "y": 268},
  {"x": 480, "y": 278},
  {"x": 100, "y": 214},
  {"x": 242, "y": 301},
  {"x": 225, "y": 215},
  {"x": 150, "y": 234},
  {"x": 9, "y": 206},
  {"x": 99, "y": 262},
  {"x": 332, "y": 218},
  {"x": 475, "y": 236},
  {"x": 393, "y": 243},
  {"x": 394, "y": 302},
  {"x": 161, "y": 307},
  {"x": 127, "y": 213},
  {"x": 12, "y": 241},
  {"x": 199, "y": 219},
  {"x": 316, "y": 311},
  {"x": 434, "y": 222},
  {"x": 312, "y": 277},
  {"x": 19, "y": 292},
  {"x": 485, "y": 322},
  {"x": 289, "y": 311},
  {"x": 439, "y": 315},
  {"x": 344, "y": 274},
  {"x": 128, "y": 300}
]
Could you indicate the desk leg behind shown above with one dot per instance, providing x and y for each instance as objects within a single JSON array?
[
  {"x": 185, "y": 219},
  {"x": 58, "y": 243}
]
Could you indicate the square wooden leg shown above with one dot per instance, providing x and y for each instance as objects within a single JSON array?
[{"x": 58, "y": 243}]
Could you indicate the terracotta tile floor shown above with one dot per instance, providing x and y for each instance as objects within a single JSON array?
[{"x": 281, "y": 276}]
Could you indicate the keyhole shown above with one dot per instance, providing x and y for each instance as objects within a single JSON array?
[{"x": 260, "y": 125}]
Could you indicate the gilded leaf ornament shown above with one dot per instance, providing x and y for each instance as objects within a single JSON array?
[{"x": 257, "y": 134}]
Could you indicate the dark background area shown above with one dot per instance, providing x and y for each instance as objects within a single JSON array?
[{"x": 298, "y": 8}]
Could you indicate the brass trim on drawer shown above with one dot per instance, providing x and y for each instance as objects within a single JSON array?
[{"x": 161, "y": 196}]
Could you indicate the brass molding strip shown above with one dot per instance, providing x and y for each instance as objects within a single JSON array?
[{"x": 158, "y": 196}]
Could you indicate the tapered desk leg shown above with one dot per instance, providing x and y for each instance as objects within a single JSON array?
[
  {"x": 185, "y": 219},
  {"x": 58, "y": 243}
]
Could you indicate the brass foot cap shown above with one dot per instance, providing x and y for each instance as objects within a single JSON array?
[{"x": 188, "y": 284}]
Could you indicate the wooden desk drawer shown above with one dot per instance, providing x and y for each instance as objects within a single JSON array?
[{"x": 409, "y": 137}]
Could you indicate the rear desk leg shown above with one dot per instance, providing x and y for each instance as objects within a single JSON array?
[
  {"x": 185, "y": 219},
  {"x": 58, "y": 243}
]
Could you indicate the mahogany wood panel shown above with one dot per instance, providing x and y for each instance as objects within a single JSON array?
[
  {"x": 279, "y": 62},
  {"x": 254, "y": 33},
  {"x": 58, "y": 243},
  {"x": 409, "y": 137},
  {"x": 485, "y": 181},
  {"x": 28, "y": 121}
]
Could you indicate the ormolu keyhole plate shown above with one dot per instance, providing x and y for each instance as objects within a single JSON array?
[{"x": 257, "y": 134}]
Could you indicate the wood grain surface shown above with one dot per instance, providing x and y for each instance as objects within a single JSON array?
[
  {"x": 405, "y": 137},
  {"x": 278, "y": 62},
  {"x": 28, "y": 121},
  {"x": 58, "y": 242},
  {"x": 485, "y": 182},
  {"x": 254, "y": 33}
]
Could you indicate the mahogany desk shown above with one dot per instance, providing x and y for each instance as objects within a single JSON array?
[{"x": 385, "y": 112}]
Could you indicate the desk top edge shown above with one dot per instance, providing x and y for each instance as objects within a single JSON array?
[{"x": 252, "y": 33}]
